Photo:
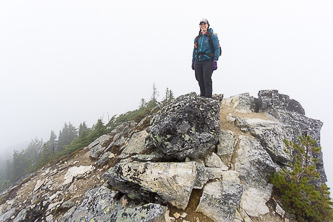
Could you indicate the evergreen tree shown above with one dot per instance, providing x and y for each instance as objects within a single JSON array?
[
  {"x": 301, "y": 191},
  {"x": 68, "y": 133},
  {"x": 143, "y": 104},
  {"x": 81, "y": 141},
  {"x": 153, "y": 102},
  {"x": 97, "y": 130},
  {"x": 32, "y": 153},
  {"x": 168, "y": 96},
  {"x": 46, "y": 156},
  {"x": 111, "y": 124},
  {"x": 9, "y": 166},
  {"x": 20, "y": 166},
  {"x": 83, "y": 129},
  {"x": 52, "y": 143}
]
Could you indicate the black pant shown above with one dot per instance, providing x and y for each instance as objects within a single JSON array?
[{"x": 203, "y": 74}]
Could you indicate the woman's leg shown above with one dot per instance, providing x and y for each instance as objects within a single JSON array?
[
  {"x": 198, "y": 68},
  {"x": 207, "y": 78}
]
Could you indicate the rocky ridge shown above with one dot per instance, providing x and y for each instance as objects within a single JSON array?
[{"x": 199, "y": 160}]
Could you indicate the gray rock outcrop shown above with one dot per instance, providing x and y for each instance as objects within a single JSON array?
[
  {"x": 187, "y": 127},
  {"x": 166, "y": 182},
  {"x": 98, "y": 146},
  {"x": 291, "y": 113},
  {"x": 199, "y": 156}
]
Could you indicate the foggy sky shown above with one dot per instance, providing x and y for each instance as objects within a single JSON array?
[{"x": 78, "y": 60}]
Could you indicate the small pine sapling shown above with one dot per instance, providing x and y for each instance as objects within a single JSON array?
[{"x": 301, "y": 190}]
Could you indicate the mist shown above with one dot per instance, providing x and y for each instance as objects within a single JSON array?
[{"x": 75, "y": 61}]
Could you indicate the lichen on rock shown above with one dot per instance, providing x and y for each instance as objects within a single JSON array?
[{"x": 187, "y": 127}]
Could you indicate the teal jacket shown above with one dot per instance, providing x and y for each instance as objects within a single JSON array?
[{"x": 203, "y": 48}]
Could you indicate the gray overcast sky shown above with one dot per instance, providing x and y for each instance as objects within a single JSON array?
[{"x": 79, "y": 60}]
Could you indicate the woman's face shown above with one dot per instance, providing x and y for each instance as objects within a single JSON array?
[{"x": 203, "y": 26}]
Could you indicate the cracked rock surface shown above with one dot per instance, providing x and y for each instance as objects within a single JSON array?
[
  {"x": 199, "y": 160},
  {"x": 187, "y": 127}
]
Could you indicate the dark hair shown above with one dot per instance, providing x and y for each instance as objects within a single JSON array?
[{"x": 208, "y": 33}]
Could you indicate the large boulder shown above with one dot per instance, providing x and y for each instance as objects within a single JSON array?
[
  {"x": 103, "y": 204},
  {"x": 253, "y": 163},
  {"x": 187, "y": 127},
  {"x": 220, "y": 200},
  {"x": 165, "y": 182}
]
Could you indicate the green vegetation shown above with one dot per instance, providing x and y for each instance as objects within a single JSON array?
[
  {"x": 70, "y": 139},
  {"x": 301, "y": 190}
]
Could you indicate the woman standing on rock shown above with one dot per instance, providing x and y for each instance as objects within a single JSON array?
[{"x": 206, "y": 53}]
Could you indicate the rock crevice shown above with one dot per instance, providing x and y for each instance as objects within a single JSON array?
[{"x": 199, "y": 160}]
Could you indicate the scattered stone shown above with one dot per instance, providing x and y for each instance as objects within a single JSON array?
[
  {"x": 111, "y": 156},
  {"x": 21, "y": 216},
  {"x": 120, "y": 142},
  {"x": 213, "y": 160},
  {"x": 53, "y": 206},
  {"x": 279, "y": 210},
  {"x": 183, "y": 215},
  {"x": 103, "y": 159},
  {"x": 80, "y": 177},
  {"x": 39, "y": 184},
  {"x": 176, "y": 215},
  {"x": 244, "y": 130},
  {"x": 49, "y": 218},
  {"x": 54, "y": 196},
  {"x": 231, "y": 118},
  {"x": 46, "y": 172},
  {"x": 49, "y": 183},
  {"x": 74, "y": 171},
  {"x": 67, "y": 204}
]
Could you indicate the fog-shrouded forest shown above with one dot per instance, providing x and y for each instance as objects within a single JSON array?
[{"x": 70, "y": 138}]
